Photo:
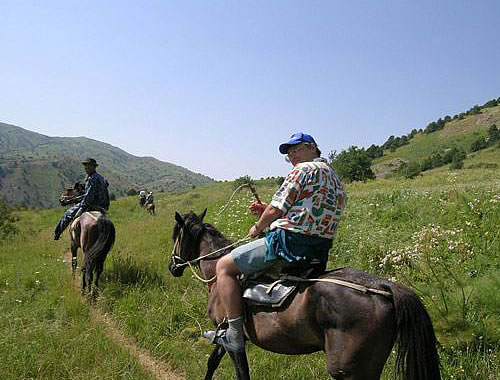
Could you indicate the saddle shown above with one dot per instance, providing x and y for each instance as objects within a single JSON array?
[
  {"x": 75, "y": 224},
  {"x": 271, "y": 288}
]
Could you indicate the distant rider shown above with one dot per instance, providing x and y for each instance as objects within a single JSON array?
[
  {"x": 149, "y": 198},
  {"x": 142, "y": 197},
  {"x": 303, "y": 216},
  {"x": 95, "y": 197}
]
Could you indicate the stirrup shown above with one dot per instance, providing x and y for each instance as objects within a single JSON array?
[{"x": 218, "y": 336}]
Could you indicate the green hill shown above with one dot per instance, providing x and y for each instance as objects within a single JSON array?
[
  {"x": 34, "y": 168},
  {"x": 459, "y": 133}
]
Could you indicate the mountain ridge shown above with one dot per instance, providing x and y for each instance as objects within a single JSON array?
[{"x": 35, "y": 168}]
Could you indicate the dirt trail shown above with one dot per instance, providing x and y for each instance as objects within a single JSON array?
[{"x": 159, "y": 369}]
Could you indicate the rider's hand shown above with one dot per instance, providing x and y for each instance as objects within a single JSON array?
[
  {"x": 253, "y": 233},
  {"x": 257, "y": 208}
]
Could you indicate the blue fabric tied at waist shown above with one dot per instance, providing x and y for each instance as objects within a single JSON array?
[{"x": 295, "y": 247}]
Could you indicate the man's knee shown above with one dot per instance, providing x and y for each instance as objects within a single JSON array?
[{"x": 227, "y": 266}]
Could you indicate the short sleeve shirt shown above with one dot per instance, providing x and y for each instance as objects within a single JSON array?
[{"x": 312, "y": 199}]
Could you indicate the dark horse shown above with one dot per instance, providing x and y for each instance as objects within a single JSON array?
[
  {"x": 356, "y": 330},
  {"x": 94, "y": 233}
]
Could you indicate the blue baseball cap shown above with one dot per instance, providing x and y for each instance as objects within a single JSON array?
[{"x": 296, "y": 138}]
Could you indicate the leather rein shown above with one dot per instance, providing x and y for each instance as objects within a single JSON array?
[{"x": 179, "y": 262}]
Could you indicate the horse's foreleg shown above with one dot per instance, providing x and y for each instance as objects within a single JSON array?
[
  {"x": 240, "y": 364},
  {"x": 84, "y": 284},
  {"x": 74, "y": 262},
  {"x": 214, "y": 361}
]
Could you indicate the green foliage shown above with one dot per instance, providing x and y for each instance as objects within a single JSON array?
[
  {"x": 280, "y": 180},
  {"x": 457, "y": 163},
  {"x": 483, "y": 165},
  {"x": 375, "y": 151},
  {"x": 246, "y": 179},
  {"x": 131, "y": 192},
  {"x": 478, "y": 144},
  {"x": 410, "y": 170},
  {"x": 435, "y": 126},
  {"x": 493, "y": 135},
  {"x": 7, "y": 221},
  {"x": 352, "y": 164}
]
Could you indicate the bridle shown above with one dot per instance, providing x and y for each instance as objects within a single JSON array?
[{"x": 180, "y": 262}]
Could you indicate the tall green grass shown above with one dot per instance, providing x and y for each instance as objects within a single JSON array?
[
  {"x": 438, "y": 234},
  {"x": 45, "y": 328}
]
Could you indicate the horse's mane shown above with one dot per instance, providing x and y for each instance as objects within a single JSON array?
[
  {"x": 219, "y": 239},
  {"x": 197, "y": 228}
]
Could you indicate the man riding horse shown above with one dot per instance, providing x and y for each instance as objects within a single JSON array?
[
  {"x": 142, "y": 198},
  {"x": 303, "y": 217},
  {"x": 149, "y": 198},
  {"x": 95, "y": 198}
]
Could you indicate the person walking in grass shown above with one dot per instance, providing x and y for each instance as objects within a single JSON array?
[
  {"x": 303, "y": 217},
  {"x": 95, "y": 197}
]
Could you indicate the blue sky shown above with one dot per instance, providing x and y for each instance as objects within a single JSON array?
[{"x": 216, "y": 86}]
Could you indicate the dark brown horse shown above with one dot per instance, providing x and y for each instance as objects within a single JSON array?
[
  {"x": 94, "y": 233},
  {"x": 356, "y": 330}
]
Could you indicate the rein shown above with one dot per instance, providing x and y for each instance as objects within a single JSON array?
[
  {"x": 190, "y": 263},
  {"x": 347, "y": 284}
]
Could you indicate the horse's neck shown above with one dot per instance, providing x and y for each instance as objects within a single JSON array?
[{"x": 208, "y": 245}]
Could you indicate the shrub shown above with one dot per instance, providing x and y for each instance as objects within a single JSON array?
[
  {"x": 493, "y": 135},
  {"x": 132, "y": 192},
  {"x": 410, "y": 170},
  {"x": 7, "y": 220},
  {"x": 478, "y": 144},
  {"x": 246, "y": 179},
  {"x": 352, "y": 164},
  {"x": 457, "y": 163}
]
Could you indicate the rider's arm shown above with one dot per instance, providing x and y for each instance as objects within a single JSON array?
[
  {"x": 89, "y": 196},
  {"x": 269, "y": 215}
]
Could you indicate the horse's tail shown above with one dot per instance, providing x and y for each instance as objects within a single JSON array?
[
  {"x": 417, "y": 357},
  {"x": 105, "y": 240}
]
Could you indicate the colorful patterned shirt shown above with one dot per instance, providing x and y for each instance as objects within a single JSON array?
[{"x": 312, "y": 199}]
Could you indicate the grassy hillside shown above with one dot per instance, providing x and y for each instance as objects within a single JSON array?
[
  {"x": 35, "y": 169},
  {"x": 437, "y": 233},
  {"x": 458, "y": 133}
]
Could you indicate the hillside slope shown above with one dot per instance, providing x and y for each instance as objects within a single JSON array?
[
  {"x": 459, "y": 133},
  {"x": 35, "y": 168}
]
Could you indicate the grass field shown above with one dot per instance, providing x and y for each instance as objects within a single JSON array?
[{"x": 437, "y": 233}]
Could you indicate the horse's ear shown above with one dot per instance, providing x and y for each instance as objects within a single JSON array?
[
  {"x": 179, "y": 219},
  {"x": 202, "y": 215}
]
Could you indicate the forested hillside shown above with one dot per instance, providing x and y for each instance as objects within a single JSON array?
[
  {"x": 34, "y": 169},
  {"x": 448, "y": 141}
]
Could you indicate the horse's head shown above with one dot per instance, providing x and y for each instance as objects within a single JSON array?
[{"x": 186, "y": 236}]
